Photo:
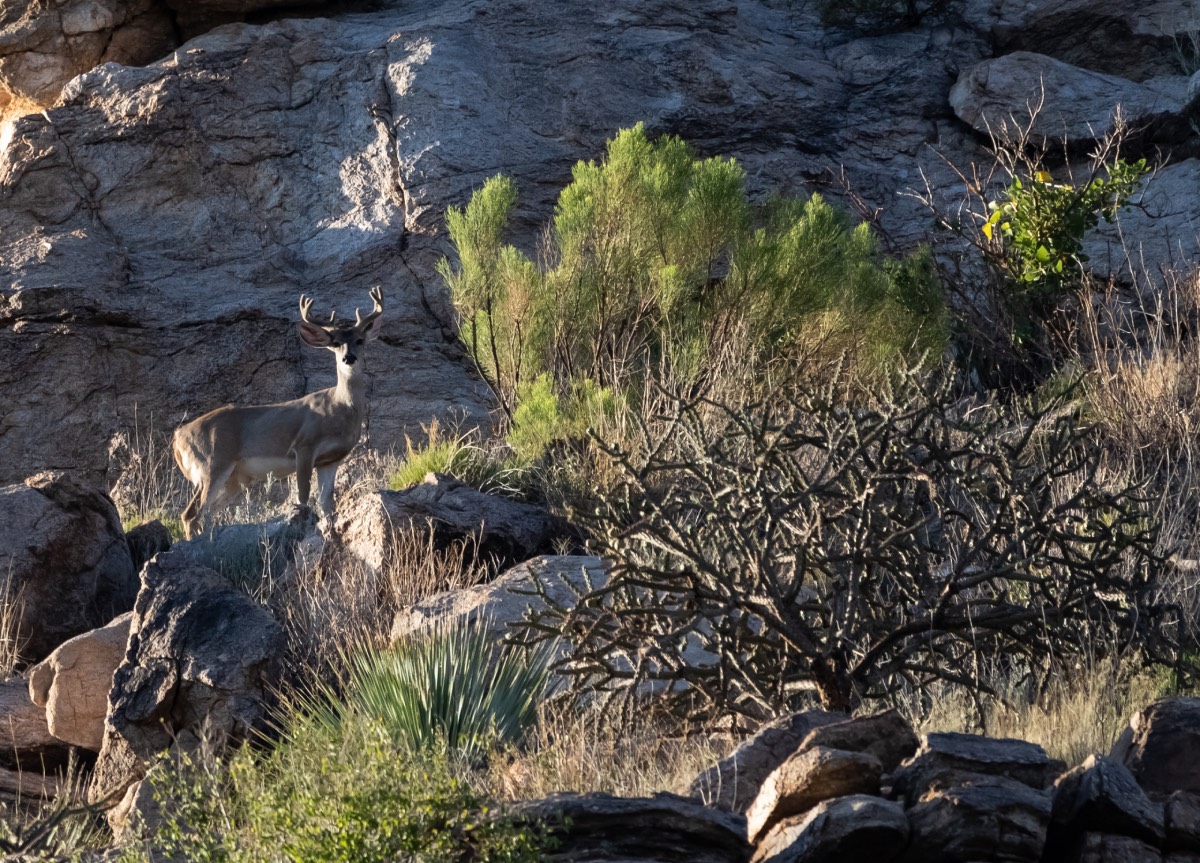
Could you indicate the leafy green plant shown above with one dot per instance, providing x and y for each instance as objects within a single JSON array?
[
  {"x": 461, "y": 456},
  {"x": 452, "y": 686},
  {"x": 1040, "y": 224}
]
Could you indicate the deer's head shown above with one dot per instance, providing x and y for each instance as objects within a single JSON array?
[{"x": 345, "y": 339}]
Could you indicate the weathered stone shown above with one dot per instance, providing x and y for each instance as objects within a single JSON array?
[
  {"x": 600, "y": 828},
  {"x": 887, "y": 736},
  {"x": 734, "y": 782},
  {"x": 248, "y": 553},
  {"x": 73, "y": 682},
  {"x": 490, "y": 526},
  {"x": 807, "y": 778},
  {"x": 25, "y": 738},
  {"x": 1111, "y": 848},
  {"x": 858, "y": 827},
  {"x": 201, "y": 658},
  {"x": 1001, "y": 96},
  {"x": 946, "y": 760},
  {"x": 1161, "y": 746},
  {"x": 1183, "y": 822},
  {"x": 508, "y": 599},
  {"x": 146, "y": 540},
  {"x": 64, "y": 562},
  {"x": 1102, "y": 795},
  {"x": 997, "y": 819}
]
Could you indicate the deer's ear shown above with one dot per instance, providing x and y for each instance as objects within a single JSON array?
[
  {"x": 313, "y": 335},
  {"x": 371, "y": 331}
]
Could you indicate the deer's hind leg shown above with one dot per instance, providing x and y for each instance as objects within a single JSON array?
[{"x": 210, "y": 492}]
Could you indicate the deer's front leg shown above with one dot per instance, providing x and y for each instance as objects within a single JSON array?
[
  {"x": 304, "y": 469},
  {"x": 325, "y": 479}
]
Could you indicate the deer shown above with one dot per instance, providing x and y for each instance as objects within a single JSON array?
[{"x": 227, "y": 448}]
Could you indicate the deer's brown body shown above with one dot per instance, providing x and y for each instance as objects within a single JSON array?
[{"x": 227, "y": 448}]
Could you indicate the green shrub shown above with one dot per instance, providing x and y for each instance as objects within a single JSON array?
[
  {"x": 460, "y": 456},
  {"x": 660, "y": 268},
  {"x": 451, "y": 687},
  {"x": 328, "y": 794}
]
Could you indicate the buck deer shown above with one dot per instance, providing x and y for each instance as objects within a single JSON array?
[{"x": 225, "y": 449}]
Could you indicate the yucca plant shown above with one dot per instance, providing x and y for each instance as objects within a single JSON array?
[{"x": 451, "y": 686}]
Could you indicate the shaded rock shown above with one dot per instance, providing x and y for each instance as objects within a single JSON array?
[
  {"x": 73, "y": 682},
  {"x": 25, "y": 738},
  {"x": 887, "y": 736},
  {"x": 945, "y": 760},
  {"x": 138, "y": 814},
  {"x": 1111, "y": 848},
  {"x": 490, "y": 526},
  {"x": 146, "y": 540},
  {"x": 1102, "y": 795},
  {"x": 1130, "y": 38},
  {"x": 1182, "y": 817},
  {"x": 64, "y": 561},
  {"x": 807, "y": 778},
  {"x": 734, "y": 782},
  {"x": 201, "y": 658},
  {"x": 997, "y": 819},
  {"x": 858, "y": 827},
  {"x": 245, "y": 554},
  {"x": 508, "y": 599},
  {"x": 1161, "y": 746},
  {"x": 997, "y": 96},
  {"x": 600, "y": 828}
]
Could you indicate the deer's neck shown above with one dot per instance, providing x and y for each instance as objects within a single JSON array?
[{"x": 351, "y": 387}]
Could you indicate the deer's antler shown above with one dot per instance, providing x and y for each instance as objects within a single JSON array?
[
  {"x": 377, "y": 299},
  {"x": 306, "y": 307}
]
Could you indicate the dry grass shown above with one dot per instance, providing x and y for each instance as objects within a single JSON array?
[{"x": 582, "y": 750}]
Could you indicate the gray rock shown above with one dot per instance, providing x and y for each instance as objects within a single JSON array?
[
  {"x": 1183, "y": 822},
  {"x": 25, "y": 738},
  {"x": 945, "y": 760},
  {"x": 858, "y": 827},
  {"x": 998, "y": 97},
  {"x": 492, "y": 527},
  {"x": 887, "y": 736},
  {"x": 1111, "y": 848},
  {"x": 600, "y": 828},
  {"x": 998, "y": 819},
  {"x": 72, "y": 683},
  {"x": 63, "y": 561},
  {"x": 807, "y": 778},
  {"x": 509, "y": 599},
  {"x": 734, "y": 782},
  {"x": 201, "y": 658},
  {"x": 1102, "y": 795},
  {"x": 1161, "y": 746}
]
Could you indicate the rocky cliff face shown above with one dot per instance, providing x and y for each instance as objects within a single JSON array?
[{"x": 158, "y": 225}]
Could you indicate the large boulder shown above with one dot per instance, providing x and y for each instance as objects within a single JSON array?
[
  {"x": 504, "y": 602},
  {"x": 600, "y": 828},
  {"x": 374, "y": 526},
  {"x": 64, "y": 562},
  {"x": 1059, "y": 102},
  {"x": 858, "y": 827},
  {"x": 1111, "y": 848},
  {"x": 945, "y": 760},
  {"x": 1102, "y": 795},
  {"x": 1182, "y": 815},
  {"x": 886, "y": 735},
  {"x": 734, "y": 782},
  {"x": 201, "y": 659},
  {"x": 1161, "y": 746},
  {"x": 73, "y": 682},
  {"x": 807, "y": 778},
  {"x": 995, "y": 819}
]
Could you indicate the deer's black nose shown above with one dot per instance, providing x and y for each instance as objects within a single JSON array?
[{"x": 349, "y": 359}]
